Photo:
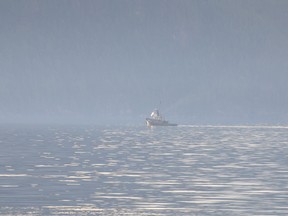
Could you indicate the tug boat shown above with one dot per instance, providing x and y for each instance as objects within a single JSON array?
[{"x": 156, "y": 119}]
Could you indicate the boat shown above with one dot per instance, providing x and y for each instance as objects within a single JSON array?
[{"x": 156, "y": 119}]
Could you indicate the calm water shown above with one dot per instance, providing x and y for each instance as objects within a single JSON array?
[{"x": 182, "y": 170}]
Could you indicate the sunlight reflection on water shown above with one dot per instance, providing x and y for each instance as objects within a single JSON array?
[{"x": 138, "y": 171}]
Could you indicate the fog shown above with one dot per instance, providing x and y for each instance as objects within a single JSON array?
[{"x": 114, "y": 61}]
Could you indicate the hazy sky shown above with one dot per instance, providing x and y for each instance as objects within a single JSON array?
[{"x": 114, "y": 61}]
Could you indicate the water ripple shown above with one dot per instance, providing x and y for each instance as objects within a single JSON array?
[{"x": 182, "y": 170}]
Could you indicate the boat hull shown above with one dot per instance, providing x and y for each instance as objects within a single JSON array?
[{"x": 155, "y": 122}]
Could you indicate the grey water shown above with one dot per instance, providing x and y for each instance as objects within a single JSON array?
[{"x": 184, "y": 170}]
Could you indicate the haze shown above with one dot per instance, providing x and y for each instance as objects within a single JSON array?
[{"x": 114, "y": 61}]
